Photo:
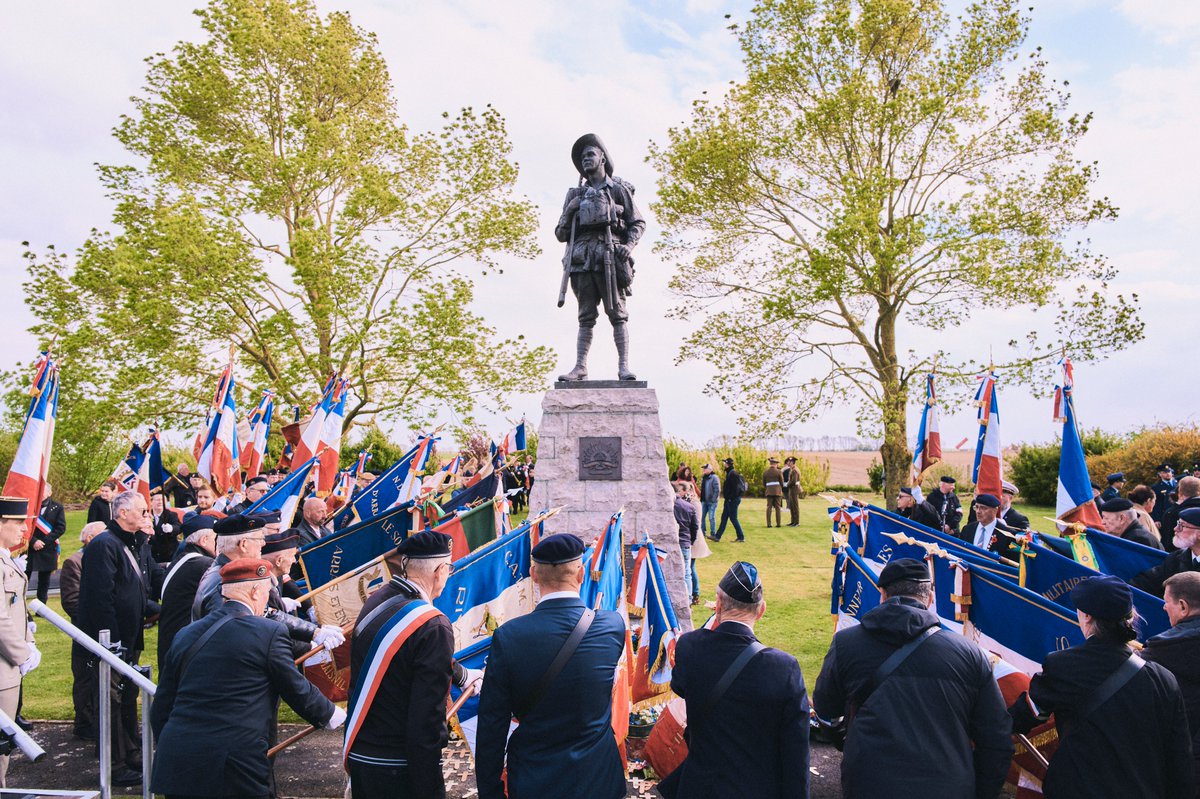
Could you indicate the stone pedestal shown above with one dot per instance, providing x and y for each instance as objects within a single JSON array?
[{"x": 600, "y": 449}]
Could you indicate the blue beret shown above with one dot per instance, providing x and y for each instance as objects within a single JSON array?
[
  {"x": 1116, "y": 505},
  {"x": 425, "y": 544},
  {"x": 741, "y": 583},
  {"x": 266, "y": 516},
  {"x": 987, "y": 501},
  {"x": 278, "y": 542},
  {"x": 904, "y": 569},
  {"x": 1116, "y": 477},
  {"x": 197, "y": 522},
  {"x": 238, "y": 524},
  {"x": 1105, "y": 597},
  {"x": 555, "y": 549},
  {"x": 1189, "y": 515}
]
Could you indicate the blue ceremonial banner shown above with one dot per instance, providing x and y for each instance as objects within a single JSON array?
[
  {"x": 482, "y": 491},
  {"x": 488, "y": 587},
  {"x": 473, "y": 657},
  {"x": 346, "y": 550},
  {"x": 385, "y": 489},
  {"x": 604, "y": 568},
  {"x": 878, "y": 544},
  {"x": 855, "y": 589},
  {"x": 1125, "y": 559}
]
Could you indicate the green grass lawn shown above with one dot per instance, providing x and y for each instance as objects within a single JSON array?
[{"x": 794, "y": 564}]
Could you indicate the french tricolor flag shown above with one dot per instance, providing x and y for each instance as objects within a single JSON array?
[
  {"x": 27, "y": 475},
  {"x": 1074, "y": 501},
  {"x": 331, "y": 438},
  {"x": 989, "y": 461},
  {"x": 218, "y": 462},
  {"x": 310, "y": 437},
  {"x": 929, "y": 438},
  {"x": 260, "y": 428},
  {"x": 514, "y": 441}
]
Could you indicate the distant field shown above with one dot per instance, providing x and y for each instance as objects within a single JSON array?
[{"x": 850, "y": 468}]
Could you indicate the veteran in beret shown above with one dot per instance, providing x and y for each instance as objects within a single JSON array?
[
  {"x": 219, "y": 690},
  {"x": 1184, "y": 559},
  {"x": 1120, "y": 519},
  {"x": 747, "y": 707},
  {"x": 553, "y": 669},
  {"x": 926, "y": 717},
  {"x": 398, "y": 701},
  {"x": 1121, "y": 721}
]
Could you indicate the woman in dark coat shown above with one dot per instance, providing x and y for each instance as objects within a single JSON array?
[
  {"x": 1135, "y": 742},
  {"x": 101, "y": 508},
  {"x": 42, "y": 554}
]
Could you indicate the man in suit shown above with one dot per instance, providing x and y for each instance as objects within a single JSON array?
[
  {"x": 165, "y": 541},
  {"x": 942, "y": 687},
  {"x": 212, "y": 736},
  {"x": 83, "y": 686},
  {"x": 42, "y": 556},
  {"x": 183, "y": 578},
  {"x": 1184, "y": 559},
  {"x": 312, "y": 525},
  {"x": 565, "y": 735},
  {"x": 987, "y": 531},
  {"x": 118, "y": 588},
  {"x": 1178, "y": 650},
  {"x": 754, "y": 740},
  {"x": 398, "y": 731},
  {"x": 18, "y": 654},
  {"x": 948, "y": 507},
  {"x": 1187, "y": 496},
  {"x": 1008, "y": 514},
  {"x": 1163, "y": 489}
]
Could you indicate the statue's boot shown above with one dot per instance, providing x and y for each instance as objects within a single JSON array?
[
  {"x": 621, "y": 337},
  {"x": 583, "y": 343}
]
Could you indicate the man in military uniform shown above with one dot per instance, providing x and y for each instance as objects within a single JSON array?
[
  {"x": 218, "y": 692},
  {"x": 1008, "y": 514},
  {"x": 600, "y": 224},
  {"x": 791, "y": 490},
  {"x": 565, "y": 733},
  {"x": 397, "y": 706},
  {"x": 1163, "y": 489},
  {"x": 18, "y": 654},
  {"x": 1116, "y": 482},
  {"x": 773, "y": 491},
  {"x": 764, "y": 701}
]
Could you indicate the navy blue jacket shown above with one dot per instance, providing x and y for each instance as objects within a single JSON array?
[
  {"x": 566, "y": 742},
  {"x": 212, "y": 722},
  {"x": 114, "y": 594},
  {"x": 754, "y": 742}
]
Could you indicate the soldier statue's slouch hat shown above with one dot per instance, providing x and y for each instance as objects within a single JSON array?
[
  {"x": 424, "y": 545},
  {"x": 1116, "y": 505},
  {"x": 557, "y": 549},
  {"x": 741, "y": 583},
  {"x": 238, "y": 524},
  {"x": 1105, "y": 597},
  {"x": 244, "y": 570},
  {"x": 987, "y": 501},
  {"x": 14, "y": 507},
  {"x": 590, "y": 140},
  {"x": 904, "y": 569}
]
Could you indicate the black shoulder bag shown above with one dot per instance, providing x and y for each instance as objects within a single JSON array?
[{"x": 560, "y": 660}]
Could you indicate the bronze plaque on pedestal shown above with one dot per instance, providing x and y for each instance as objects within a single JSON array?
[{"x": 600, "y": 458}]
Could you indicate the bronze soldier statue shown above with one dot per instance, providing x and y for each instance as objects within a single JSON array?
[{"x": 600, "y": 224}]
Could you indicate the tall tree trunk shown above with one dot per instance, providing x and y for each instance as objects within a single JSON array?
[{"x": 894, "y": 451}]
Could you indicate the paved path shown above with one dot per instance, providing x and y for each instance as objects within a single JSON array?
[{"x": 311, "y": 768}]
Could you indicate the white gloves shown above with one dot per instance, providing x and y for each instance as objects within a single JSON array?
[
  {"x": 32, "y": 627},
  {"x": 289, "y": 604},
  {"x": 337, "y": 719},
  {"x": 329, "y": 636},
  {"x": 470, "y": 676},
  {"x": 31, "y": 662}
]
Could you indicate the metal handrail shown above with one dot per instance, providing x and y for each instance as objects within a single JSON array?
[
  {"x": 21, "y": 738},
  {"x": 90, "y": 644}
]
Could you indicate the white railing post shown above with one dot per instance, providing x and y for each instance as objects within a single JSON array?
[{"x": 104, "y": 722}]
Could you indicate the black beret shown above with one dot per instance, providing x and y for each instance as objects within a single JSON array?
[
  {"x": 741, "y": 583},
  {"x": 257, "y": 480},
  {"x": 908, "y": 569},
  {"x": 1116, "y": 477},
  {"x": 1116, "y": 505},
  {"x": 197, "y": 522},
  {"x": 14, "y": 508},
  {"x": 987, "y": 501},
  {"x": 1189, "y": 515},
  {"x": 906, "y": 491},
  {"x": 1105, "y": 597},
  {"x": 237, "y": 524},
  {"x": 424, "y": 545},
  {"x": 555, "y": 549},
  {"x": 948, "y": 479},
  {"x": 277, "y": 542}
]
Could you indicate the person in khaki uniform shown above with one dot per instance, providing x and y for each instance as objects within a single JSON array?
[
  {"x": 791, "y": 490},
  {"x": 773, "y": 489},
  {"x": 18, "y": 655}
]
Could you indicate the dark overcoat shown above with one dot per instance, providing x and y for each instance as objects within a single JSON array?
[
  {"x": 1178, "y": 651},
  {"x": 46, "y": 558}
]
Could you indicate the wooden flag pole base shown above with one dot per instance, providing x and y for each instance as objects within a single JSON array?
[
  {"x": 347, "y": 629},
  {"x": 279, "y": 747}
]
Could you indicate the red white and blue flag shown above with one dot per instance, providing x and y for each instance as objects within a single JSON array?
[
  {"x": 928, "y": 450},
  {"x": 150, "y": 474},
  {"x": 310, "y": 436},
  {"x": 27, "y": 475},
  {"x": 331, "y": 437},
  {"x": 987, "y": 472},
  {"x": 657, "y": 629},
  {"x": 285, "y": 495},
  {"x": 260, "y": 427},
  {"x": 1074, "y": 500},
  {"x": 218, "y": 462},
  {"x": 514, "y": 441},
  {"x": 127, "y": 471}
]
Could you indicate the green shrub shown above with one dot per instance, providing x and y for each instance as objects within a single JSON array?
[
  {"x": 1034, "y": 469},
  {"x": 875, "y": 476},
  {"x": 750, "y": 461}
]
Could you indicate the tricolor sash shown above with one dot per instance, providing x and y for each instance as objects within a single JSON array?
[{"x": 391, "y": 636}]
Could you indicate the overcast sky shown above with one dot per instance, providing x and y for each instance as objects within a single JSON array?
[{"x": 68, "y": 68}]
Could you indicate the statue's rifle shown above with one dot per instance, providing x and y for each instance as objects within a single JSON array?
[
  {"x": 566, "y": 275},
  {"x": 610, "y": 270}
]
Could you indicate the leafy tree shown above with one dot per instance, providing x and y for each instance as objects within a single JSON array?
[
  {"x": 881, "y": 167},
  {"x": 275, "y": 204}
]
